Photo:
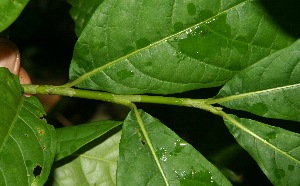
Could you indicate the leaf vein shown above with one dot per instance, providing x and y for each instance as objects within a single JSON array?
[{"x": 122, "y": 58}]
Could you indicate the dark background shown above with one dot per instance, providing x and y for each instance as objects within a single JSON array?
[{"x": 44, "y": 33}]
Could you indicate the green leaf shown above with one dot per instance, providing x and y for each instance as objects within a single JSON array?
[
  {"x": 9, "y": 11},
  {"x": 269, "y": 88},
  {"x": 82, "y": 11},
  {"x": 171, "y": 46},
  {"x": 27, "y": 142},
  {"x": 96, "y": 166},
  {"x": 277, "y": 151},
  {"x": 70, "y": 139},
  {"x": 152, "y": 154}
]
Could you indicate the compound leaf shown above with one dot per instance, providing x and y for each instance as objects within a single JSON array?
[{"x": 171, "y": 46}]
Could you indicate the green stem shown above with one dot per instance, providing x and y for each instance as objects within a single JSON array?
[{"x": 115, "y": 98}]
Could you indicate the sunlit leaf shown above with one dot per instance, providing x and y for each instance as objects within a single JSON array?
[
  {"x": 9, "y": 11},
  {"x": 27, "y": 142},
  {"x": 171, "y": 46},
  {"x": 269, "y": 88},
  {"x": 175, "y": 161},
  {"x": 277, "y": 151},
  {"x": 72, "y": 138}
]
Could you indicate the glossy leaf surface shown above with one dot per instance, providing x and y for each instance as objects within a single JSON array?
[
  {"x": 72, "y": 138},
  {"x": 96, "y": 166},
  {"x": 180, "y": 163},
  {"x": 27, "y": 142},
  {"x": 130, "y": 48},
  {"x": 277, "y": 151},
  {"x": 269, "y": 88},
  {"x": 9, "y": 11}
]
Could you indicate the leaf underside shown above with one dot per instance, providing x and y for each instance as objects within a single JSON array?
[
  {"x": 27, "y": 142},
  {"x": 181, "y": 163},
  {"x": 277, "y": 151},
  {"x": 96, "y": 165},
  {"x": 70, "y": 139},
  {"x": 130, "y": 48}
]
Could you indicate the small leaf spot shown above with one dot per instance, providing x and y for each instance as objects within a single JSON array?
[
  {"x": 178, "y": 26},
  {"x": 40, "y": 131},
  {"x": 37, "y": 170},
  {"x": 260, "y": 108},
  {"x": 143, "y": 42},
  {"x": 291, "y": 167},
  {"x": 191, "y": 8},
  {"x": 279, "y": 173}
]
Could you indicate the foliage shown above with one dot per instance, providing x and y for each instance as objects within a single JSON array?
[{"x": 125, "y": 48}]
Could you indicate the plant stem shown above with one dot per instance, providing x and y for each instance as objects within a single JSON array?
[{"x": 115, "y": 98}]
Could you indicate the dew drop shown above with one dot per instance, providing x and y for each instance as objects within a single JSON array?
[
  {"x": 194, "y": 177},
  {"x": 162, "y": 154},
  {"x": 178, "y": 146}
]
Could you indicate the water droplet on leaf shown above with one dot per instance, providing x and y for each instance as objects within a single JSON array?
[
  {"x": 162, "y": 154},
  {"x": 178, "y": 146},
  {"x": 196, "y": 178}
]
